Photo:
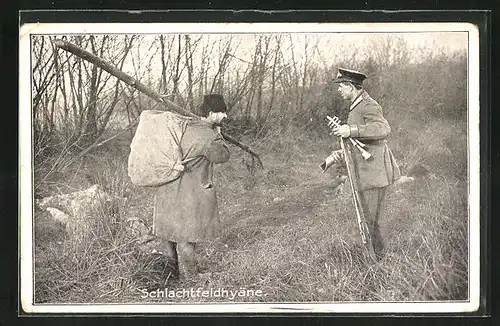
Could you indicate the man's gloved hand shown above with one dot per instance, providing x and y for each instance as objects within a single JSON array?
[
  {"x": 343, "y": 131},
  {"x": 337, "y": 156}
]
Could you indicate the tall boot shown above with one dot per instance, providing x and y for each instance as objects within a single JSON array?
[
  {"x": 170, "y": 251},
  {"x": 377, "y": 241},
  {"x": 372, "y": 201},
  {"x": 187, "y": 260},
  {"x": 172, "y": 259}
]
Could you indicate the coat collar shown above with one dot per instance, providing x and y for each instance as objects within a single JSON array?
[{"x": 363, "y": 95}]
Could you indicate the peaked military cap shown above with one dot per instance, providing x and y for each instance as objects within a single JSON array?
[
  {"x": 214, "y": 103},
  {"x": 351, "y": 76}
]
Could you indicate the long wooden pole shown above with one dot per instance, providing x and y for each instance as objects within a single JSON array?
[{"x": 79, "y": 52}]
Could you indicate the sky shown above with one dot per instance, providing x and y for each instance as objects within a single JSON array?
[
  {"x": 324, "y": 49},
  {"x": 331, "y": 38}
]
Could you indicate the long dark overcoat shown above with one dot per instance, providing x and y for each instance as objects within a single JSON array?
[
  {"x": 186, "y": 209},
  {"x": 368, "y": 124}
]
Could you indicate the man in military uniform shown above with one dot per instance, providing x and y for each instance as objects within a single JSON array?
[
  {"x": 186, "y": 210},
  {"x": 367, "y": 124}
]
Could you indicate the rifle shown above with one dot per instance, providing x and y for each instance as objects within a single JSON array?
[
  {"x": 360, "y": 215},
  {"x": 129, "y": 80}
]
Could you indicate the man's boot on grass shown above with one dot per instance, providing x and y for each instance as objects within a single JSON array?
[{"x": 187, "y": 260}]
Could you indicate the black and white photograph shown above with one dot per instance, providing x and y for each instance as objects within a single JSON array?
[{"x": 249, "y": 167}]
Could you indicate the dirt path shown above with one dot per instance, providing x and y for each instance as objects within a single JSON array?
[{"x": 285, "y": 194}]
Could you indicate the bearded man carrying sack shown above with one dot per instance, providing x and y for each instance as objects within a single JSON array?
[{"x": 185, "y": 210}]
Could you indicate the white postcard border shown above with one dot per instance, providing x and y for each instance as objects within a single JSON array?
[{"x": 26, "y": 181}]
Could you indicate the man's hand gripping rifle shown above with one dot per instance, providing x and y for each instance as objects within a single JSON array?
[{"x": 363, "y": 226}]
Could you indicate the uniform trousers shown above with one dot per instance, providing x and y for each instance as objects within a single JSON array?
[{"x": 372, "y": 203}]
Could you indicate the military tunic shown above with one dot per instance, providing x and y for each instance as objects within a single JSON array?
[
  {"x": 368, "y": 124},
  {"x": 186, "y": 209}
]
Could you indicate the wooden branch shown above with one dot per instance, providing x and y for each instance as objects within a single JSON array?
[
  {"x": 79, "y": 52},
  {"x": 244, "y": 147}
]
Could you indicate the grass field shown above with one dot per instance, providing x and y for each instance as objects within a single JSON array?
[{"x": 288, "y": 230}]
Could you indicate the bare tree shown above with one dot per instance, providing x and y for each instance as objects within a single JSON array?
[{"x": 73, "y": 101}]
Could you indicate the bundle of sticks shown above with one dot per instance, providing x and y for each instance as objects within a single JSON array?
[{"x": 335, "y": 123}]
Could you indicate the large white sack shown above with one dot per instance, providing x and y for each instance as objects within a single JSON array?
[{"x": 155, "y": 152}]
